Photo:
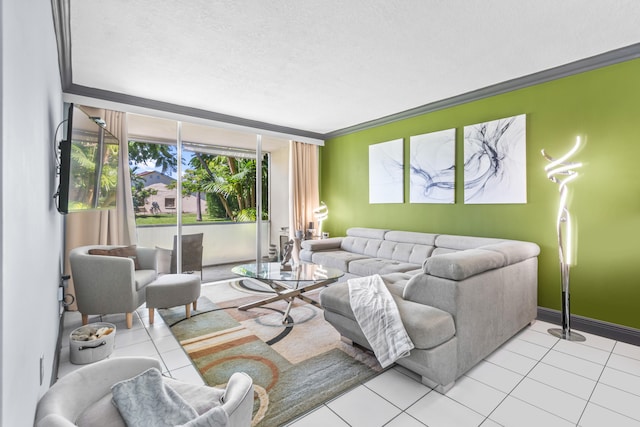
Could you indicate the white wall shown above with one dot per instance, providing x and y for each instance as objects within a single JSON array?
[
  {"x": 279, "y": 201},
  {"x": 222, "y": 242},
  {"x": 31, "y": 228}
]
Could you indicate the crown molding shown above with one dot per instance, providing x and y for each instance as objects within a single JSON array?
[
  {"x": 223, "y": 120},
  {"x": 62, "y": 28},
  {"x": 588, "y": 64}
]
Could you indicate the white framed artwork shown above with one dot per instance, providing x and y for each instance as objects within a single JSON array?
[
  {"x": 495, "y": 161},
  {"x": 433, "y": 167},
  {"x": 386, "y": 167}
]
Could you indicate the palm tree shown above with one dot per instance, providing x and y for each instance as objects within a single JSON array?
[
  {"x": 84, "y": 161},
  {"x": 191, "y": 184},
  {"x": 229, "y": 179},
  {"x": 233, "y": 181},
  {"x": 143, "y": 152},
  {"x": 138, "y": 192}
]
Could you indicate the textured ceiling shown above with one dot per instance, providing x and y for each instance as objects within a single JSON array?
[{"x": 323, "y": 66}]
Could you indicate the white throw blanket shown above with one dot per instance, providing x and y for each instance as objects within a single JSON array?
[
  {"x": 146, "y": 401},
  {"x": 377, "y": 314}
]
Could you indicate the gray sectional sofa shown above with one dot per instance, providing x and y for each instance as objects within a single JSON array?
[{"x": 459, "y": 297}]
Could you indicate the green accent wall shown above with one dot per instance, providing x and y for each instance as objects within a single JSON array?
[{"x": 601, "y": 106}]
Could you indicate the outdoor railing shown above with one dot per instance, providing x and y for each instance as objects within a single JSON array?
[{"x": 223, "y": 242}]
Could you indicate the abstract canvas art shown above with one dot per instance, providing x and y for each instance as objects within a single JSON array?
[
  {"x": 432, "y": 165},
  {"x": 386, "y": 179},
  {"x": 495, "y": 163}
]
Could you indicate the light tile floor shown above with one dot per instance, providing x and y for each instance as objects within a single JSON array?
[{"x": 532, "y": 380}]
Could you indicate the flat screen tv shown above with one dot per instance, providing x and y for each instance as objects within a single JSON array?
[{"x": 88, "y": 164}]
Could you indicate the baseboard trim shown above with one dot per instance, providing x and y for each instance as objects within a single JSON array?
[
  {"x": 592, "y": 326},
  {"x": 56, "y": 353}
]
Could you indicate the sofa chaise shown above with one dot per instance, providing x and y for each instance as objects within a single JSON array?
[{"x": 459, "y": 297}]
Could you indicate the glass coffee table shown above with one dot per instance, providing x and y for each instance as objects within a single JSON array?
[{"x": 287, "y": 282}]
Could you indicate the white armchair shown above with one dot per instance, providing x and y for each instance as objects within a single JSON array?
[
  {"x": 83, "y": 397},
  {"x": 111, "y": 284}
]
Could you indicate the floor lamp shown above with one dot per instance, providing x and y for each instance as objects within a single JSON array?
[
  {"x": 321, "y": 213},
  {"x": 561, "y": 171}
]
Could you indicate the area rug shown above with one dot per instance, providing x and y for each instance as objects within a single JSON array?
[{"x": 295, "y": 368}]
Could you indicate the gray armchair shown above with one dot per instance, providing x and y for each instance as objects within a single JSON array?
[
  {"x": 107, "y": 284},
  {"x": 83, "y": 397}
]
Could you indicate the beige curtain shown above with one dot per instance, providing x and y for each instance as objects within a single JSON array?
[
  {"x": 303, "y": 185},
  {"x": 125, "y": 218},
  {"x": 105, "y": 227}
]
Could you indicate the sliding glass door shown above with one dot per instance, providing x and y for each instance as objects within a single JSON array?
[{"x": 197, "y": 184}]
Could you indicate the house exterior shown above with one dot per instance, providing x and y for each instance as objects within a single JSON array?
[
  {"x": 155, "y": 177},
  {"x": 167, "y": 201},
  {"x": 165, "y": 198}
]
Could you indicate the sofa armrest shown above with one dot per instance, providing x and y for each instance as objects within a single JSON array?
[
  {"x": 514, "y": 251},
  {"x": 238, "y": 399},
  {"x": 464, "y": 264},
  {"x": 322, "y": 244}
]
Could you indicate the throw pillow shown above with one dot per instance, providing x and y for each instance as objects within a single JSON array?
[{"x": 125, "y": 252}]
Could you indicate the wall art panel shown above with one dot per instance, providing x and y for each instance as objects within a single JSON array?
[
  {"x": 495, "y": 163},
  {"x": 386, "y": 179},
  {"x": 432, "y": 165}
]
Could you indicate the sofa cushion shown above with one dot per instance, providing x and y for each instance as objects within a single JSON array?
[
  {"x": 408, "y": 252},
  {"x": 396, "y": 281},
  {"x": 461, "y": 243},
  {"x": 426, "y": 239},
  {"x": 332, "y": 243},
  {"x": 367, "y": 233},
  {"x": 308, "y": 247},
  {"x": 144, "y": 277},
  {"x": 427, "y": 326},
  {"x": 336, "y": 259},
  {"x": 371, "y": 266},
  {"x": 361, "y": 245},
  {"x": 442, "y": 251}
]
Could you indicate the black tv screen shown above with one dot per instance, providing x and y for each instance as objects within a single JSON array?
[{"x": 88, "y": 163}]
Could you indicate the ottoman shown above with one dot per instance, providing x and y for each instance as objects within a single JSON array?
[{"x": 171, "y": 290}]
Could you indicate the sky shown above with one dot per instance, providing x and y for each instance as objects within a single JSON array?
[{"x": 151, "y": 165}]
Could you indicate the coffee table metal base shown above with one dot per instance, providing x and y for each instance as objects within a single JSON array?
[{"x": 286, "y": 293}]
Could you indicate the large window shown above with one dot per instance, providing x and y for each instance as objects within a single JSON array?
[
  {"x": 218, "y": 184},
  {"x": 191, "y": 178}
]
